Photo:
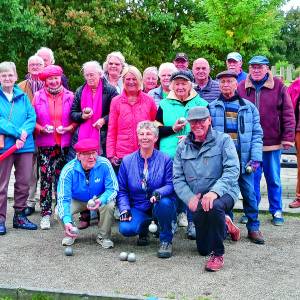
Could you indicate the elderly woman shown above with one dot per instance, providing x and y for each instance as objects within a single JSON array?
[
  {"x": 164, "y": 73},
  {"x": 113, "y": 67},
  {"x": 126, "y": 111},
  {"x": 30, "y": 86},
  {"x": 54, "y": 130},
  {"x": 171, "y": 116},
  {"x": 146, "y": 191},
  {"x": 150, "y": 78},
  {"x": 17, "y": 121}
]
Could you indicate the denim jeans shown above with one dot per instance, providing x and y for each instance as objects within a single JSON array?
[
  {"x": 271, "y": 169},
  {"x": 164, "y": 211}
]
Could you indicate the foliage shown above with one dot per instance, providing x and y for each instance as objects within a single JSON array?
[{"x": 234, "y": 25}]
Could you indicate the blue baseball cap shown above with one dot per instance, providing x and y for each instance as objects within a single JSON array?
[
  {"x": 259, "y": 60},
  {"x": 235, "y": 56}
]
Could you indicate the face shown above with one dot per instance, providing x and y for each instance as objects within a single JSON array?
[
  {"x": 234, "y": 65},
  {"x": 150, "y": 81},
  {"x": 146, "y": 139},
  {"x": 258, "y": 72},
  {"x": 200, "y": 128},
  {"x": 114, "y": 66},
  {"x": 201, "y": 70},
  {"x": 92, "y": 76},
  {"x": 181, "y": 64},
  {"x": 87, "y": 159},
  {"x": 131, "y": 83},
  {"x": 46, "y": 57},
  {"x": 228, "y": 86},
  {"x": 182, "y": 88},
  {"x": 8, "y": 79},
  {"x": 165, "y": 78},
  {"x": 53, "y": 82},
  {"x": 35, "y": 67}
]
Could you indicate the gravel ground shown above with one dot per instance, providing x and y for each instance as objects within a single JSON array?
[{"x": 271, "y": 271}]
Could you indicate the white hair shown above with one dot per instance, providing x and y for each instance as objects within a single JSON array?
[
  {"x": 166, "y": 66},
  {"x": 36, "y": 57},
  {"x": 147, "y": 125},
  {"x": 7, "y": 66},
  {"x": 150, "y": 70},
  {"x": 50, "y": 52},
  {"x": 93, "y": 64},
  {"x": 116, "y": 54}
]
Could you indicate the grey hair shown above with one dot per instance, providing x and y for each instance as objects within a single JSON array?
[
  {"x": 36, "y": 57},
  {"x": 150, "y": 70},
  {"x": 168, "y": 66},
  {"x": 8, "y": 66},
  {"x": 51, "y": 54},
  {"x": 95, "y": 64},
  {"x": 116, "y": 54},
  {"x": 147, "y": 125}
]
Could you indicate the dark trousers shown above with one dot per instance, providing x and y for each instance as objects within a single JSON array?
[{"x": 211, "y": 227}]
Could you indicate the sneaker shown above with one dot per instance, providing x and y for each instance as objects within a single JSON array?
[
  {"x": 295, "y": 203},
  {"x": 143, "y": 240},
  {"x": 45, "y": 222},
  {"x": 233, "y": 230},
  {"x": 2, "y": 228},
  {"x": 182, "y": 220},
  {"x": 105, "y": 243},
  {"x": 20, "y": 221},
  {"x": 256, "y": 237},
  {"x": 243, "y": 219},
  {"x": 278, "y": 219},
  {"x": 29, "y": 211},
  {"x": 67, "y": 241},
  {"x": 165, "y": 250},
  {"x": 191, "y": 231},
  {"x": 214, "y": 263}
]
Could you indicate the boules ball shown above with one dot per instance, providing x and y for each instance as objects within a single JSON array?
[
  {"x": 74, "y": 230},
  {"x": 123, "y": 256},
  {"x": 91, "y": 203},
  {"x": 181, "y": 120},
  {"x": 68, "y": 251},
  {"x": 249, "y": 169},
  {"x": 131, "y": 257},
  {"x": 152, "y": 227},
  {"x": 87, "y": 110}
]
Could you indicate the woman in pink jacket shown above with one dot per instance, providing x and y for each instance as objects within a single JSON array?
[
  {"x": 53, "y": 130},
  {"x": 126, "y": 111}
]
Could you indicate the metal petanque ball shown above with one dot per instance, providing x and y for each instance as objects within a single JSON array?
[
  {"x": 74, "y": 230},
  {"x": 181, "y": 120},
  {"x": 249, "y": 169},
  {"x": 152, "y": 227},
  {"x": 123, "y": 256},
  {"x": 131, "y": 257},
  {"x": 69, "y": 251},
  {"x": 91, "y": 203}
]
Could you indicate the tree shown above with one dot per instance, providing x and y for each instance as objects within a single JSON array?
[{"x": 248, "y": 27}]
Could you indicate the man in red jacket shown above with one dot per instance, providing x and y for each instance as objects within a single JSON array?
[{"x": 278, "y": 123}]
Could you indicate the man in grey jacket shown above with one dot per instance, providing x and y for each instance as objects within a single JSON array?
[{"x": 206, "y": 171}]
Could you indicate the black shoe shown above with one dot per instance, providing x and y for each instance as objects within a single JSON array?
[
  {"x": 143, "y": 240},
  {"x": 165, "y": 250},
  {"x": 191, "y": 231},
  {"x": 28, "y": 211},
  {"x": 21, "y": 221},
  {"x": 2, "y": 229}
]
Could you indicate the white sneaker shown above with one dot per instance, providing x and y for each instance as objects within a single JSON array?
[
  {"x": 67, "y": 241},
  {"x": 45, "y": 222},
  {"x": 105, "y": 243},
  {"x": 182, "y": 220}
]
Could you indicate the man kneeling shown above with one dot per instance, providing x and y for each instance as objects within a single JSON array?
[
  {"x": 87, "y": 177},
  {"x": 206, "y": 171}
]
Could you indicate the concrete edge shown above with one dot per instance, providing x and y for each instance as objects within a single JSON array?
[{"x": 266, "y": 212}]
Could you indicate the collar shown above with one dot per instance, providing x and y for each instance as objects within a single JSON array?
[
  {"x": 269, "y": 83},
  {"x": 192, "y": 95}
]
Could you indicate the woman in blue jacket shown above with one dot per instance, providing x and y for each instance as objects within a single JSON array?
[
  {"x": 146, "y": 191},
  {"x": 17, "y": 122}
]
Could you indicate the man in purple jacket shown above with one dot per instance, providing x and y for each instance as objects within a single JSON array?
[{"x": 278, "y": 123}]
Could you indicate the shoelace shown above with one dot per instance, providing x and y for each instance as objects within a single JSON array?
[{"x": 164, "y": 245}]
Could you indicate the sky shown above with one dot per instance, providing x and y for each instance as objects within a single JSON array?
[{"x": 290, "y": 4}]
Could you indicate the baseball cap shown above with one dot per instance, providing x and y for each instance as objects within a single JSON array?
[{"x": 235, "y": 56}]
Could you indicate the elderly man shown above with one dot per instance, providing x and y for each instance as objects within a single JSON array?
[
  {"x": 48, "y": 57},
  {"x": 87, "y": 177},
  {"x": 240, "y": 119},
  {"x": 207, "y": 88},
  {"x": 278, "y": 123},
  {"x": 205, "y": 176},
  {"x": 234, "y": 63},
  {"x": 181, "y": 61}
]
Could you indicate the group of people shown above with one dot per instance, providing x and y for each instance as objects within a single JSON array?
[{"x": 176, "y": 154}]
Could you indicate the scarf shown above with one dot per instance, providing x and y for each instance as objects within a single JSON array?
[
  {"x": 86, "y": 130},
  {"x": 35, "y": 84},
  {"x": 54, "y": 91},
  {"x": 259, "y": 84}
]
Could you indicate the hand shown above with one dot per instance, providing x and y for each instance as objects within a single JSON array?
[
  {"x": 178, "y": 126},
  {"x": 87, "y": 113},
  {"x": 125, "y": 216},
  {"x": 23, "y": 136},
  {"x": 47, "y": 129},
  {"x": 61, "y": 130},
  {"x": 96, "y": 206},
  {"x": 286, "y": 146},
  {"x": 115, "y": 161},
  {"x": 207, "y": 200},
  {"x": 19, "y": 144},
  {"x": 68, "y": 229},
  {"x": 254, "y": 165},
  {"x": 181, "y": 138},
  {"x": 155, "y": 197},
  {"x": 98, "y": 124},
  {"x": 193, "y": 203}
]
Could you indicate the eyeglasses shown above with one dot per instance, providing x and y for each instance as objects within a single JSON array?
[
  {"x": 198, "y": 121},
  {"x": 256, "y": 67},
  {"x": 35, "y": 65},
  {"x": 89, "y": 154},
  {"x": 226, "y": 81}
]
